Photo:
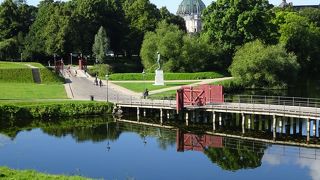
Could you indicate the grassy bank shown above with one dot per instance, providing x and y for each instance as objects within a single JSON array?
[
  {"x": 140, "y": 87},
  {"x": 167, "y": 76},
  {"x": 52, "y": 109},
  {"x": 31, "y": 91},
  {"x": 6, "y": 173},
  {"x": 16, "y": 82}
]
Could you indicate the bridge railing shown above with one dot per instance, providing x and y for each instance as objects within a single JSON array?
[
  {"x": 273, "y": 100},
  {"x": 134, "y": 101}
]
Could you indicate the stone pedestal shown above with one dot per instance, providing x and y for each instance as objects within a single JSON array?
[{"x": 159, "y": 80}]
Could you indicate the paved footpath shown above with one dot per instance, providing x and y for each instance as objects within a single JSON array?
[{"x": 80, "y": 86}]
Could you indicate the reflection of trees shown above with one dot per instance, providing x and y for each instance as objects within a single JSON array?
[
  {"x": 237, "y": 156},
  {"x": 165, "y": 137},
  {"x": 95, "y": 133}
]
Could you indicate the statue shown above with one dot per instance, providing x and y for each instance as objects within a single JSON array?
[
  {"x": 158, "y": 61},
  {"x": 159, "y": 80}
]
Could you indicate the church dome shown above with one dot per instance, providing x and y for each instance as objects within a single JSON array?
[{"x": 191, "y": 7}]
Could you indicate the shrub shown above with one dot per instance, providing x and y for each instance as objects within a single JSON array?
[
  {"x": 53, "y": 110},
  {"x": 23, "y": 75},
  {"x": 100, "y": 69},
  {"x": 261, "y": 66}
]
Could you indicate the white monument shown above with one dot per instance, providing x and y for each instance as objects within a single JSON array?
[{"x": 159, "y": 80}]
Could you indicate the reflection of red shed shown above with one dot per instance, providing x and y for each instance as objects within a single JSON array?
[
  {"x": 187, "y": 142},
  {"x": 199, "y": 96}
]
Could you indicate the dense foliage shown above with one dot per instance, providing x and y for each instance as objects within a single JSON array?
[
  {"x": 268, "y": 66},
  {"x": 180, "y": 52},
  {"x": 52, "y": 110},
  {"x": 233, "y": 23},
  {"x": 138, "y": 27},
  {"x": 100, "y": 46}
]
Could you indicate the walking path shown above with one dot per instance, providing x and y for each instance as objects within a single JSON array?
[{"x": 81, "y": 86}]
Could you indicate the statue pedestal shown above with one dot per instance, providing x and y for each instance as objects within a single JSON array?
[{"x": 159, "y": 80}]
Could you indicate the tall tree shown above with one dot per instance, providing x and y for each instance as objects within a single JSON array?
[
  {"x": 300, "y": 36},
  {"x": 172, "y": 19},
  {"x": 257, "y": 65},
  {"x": 141, "y": 16},
  {"x": 233, "y": 23},
  {"x": 101, "y": 45},
  {"x": 179, "y": 51}
]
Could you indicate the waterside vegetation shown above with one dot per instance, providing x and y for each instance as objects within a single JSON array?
[
  {"x": 15, "y": 111},
  {"x": 7, "y": 173}
]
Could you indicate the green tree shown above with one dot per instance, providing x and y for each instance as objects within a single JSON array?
[
  {"x": 313, "y": 14},
  {"x": 101, "y": 45},
  {"x": 172, "y": 19},
  {"x": 300, "y": 36},
  {"x": 233, "y": 23},
  {"x": 168, "y": 41},
  {"x": 141, "y": 16},
  {"x": 261, "y": 66},
  {"x": 179, "y": 51}
]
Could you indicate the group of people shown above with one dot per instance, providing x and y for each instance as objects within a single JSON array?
[{"x": 98, "y": 83}]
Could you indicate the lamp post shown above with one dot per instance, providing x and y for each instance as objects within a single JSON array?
[
  {"x": 143, "y": 77},
  {"x": 54, "y": 62},
  {"x": 71, "y": 58},
  {"x": 107, "y": 78}
]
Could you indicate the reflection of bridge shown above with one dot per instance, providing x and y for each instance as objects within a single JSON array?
[{"x": 188, "y": 141}]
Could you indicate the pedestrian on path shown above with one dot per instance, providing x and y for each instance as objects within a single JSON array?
[{"x": 100, "y": 83}]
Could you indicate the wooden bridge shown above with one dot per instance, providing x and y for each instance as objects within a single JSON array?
[{"x": 293, "y": 107}]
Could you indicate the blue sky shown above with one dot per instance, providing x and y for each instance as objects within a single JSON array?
[{"x": 172, "y": 5}]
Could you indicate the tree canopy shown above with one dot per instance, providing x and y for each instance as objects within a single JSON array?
[
  {"x": 257, "y": 65},
  {"x": 180, "y": 52},
  {"x": 101, "y": 45},
  {"x": 233, "y": 23}
]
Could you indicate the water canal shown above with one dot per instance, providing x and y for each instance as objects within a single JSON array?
[{"x": 112, "y": 149}]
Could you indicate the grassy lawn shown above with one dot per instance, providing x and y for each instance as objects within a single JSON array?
[
  {"x": 6, "y": 173},
  {"x": 13, "y": 91},
  {"x": 164, "y": 95},
  {"x": 167, "y": 76},
  {"x": 12, "y": 65},
  {"x": 140, "y": 87},
  {"x": 18, "y": 65}
]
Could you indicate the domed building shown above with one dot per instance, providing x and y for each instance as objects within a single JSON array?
[{"x": 190, "y": 11}]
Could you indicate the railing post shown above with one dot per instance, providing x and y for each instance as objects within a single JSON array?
[{"x": 293, "y": 102}]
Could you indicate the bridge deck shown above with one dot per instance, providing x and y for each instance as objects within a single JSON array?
[{"x": 246, "y": 108}]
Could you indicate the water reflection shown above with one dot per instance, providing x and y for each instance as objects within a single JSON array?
[{"x": 230, "y": 154}]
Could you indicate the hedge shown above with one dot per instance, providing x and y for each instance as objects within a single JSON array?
[
  {"x": 48, "y": 76},
  {"x": 167, "y": 76},
  {"x": 22, "y": 75},
  {"x": 52, "y": 110}
]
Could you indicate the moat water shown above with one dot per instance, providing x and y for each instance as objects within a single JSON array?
[{"x": 103, "y": 148}]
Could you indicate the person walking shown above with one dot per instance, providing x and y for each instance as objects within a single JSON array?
[{"x": 100, "y": 83}]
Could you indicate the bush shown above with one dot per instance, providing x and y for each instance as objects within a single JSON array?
[
  {"x": 23, "y": 75},
  {"x": 260, "y": 66},
  {"x": 167, "y": 76},
  {"x": 100, "y": 69}
]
